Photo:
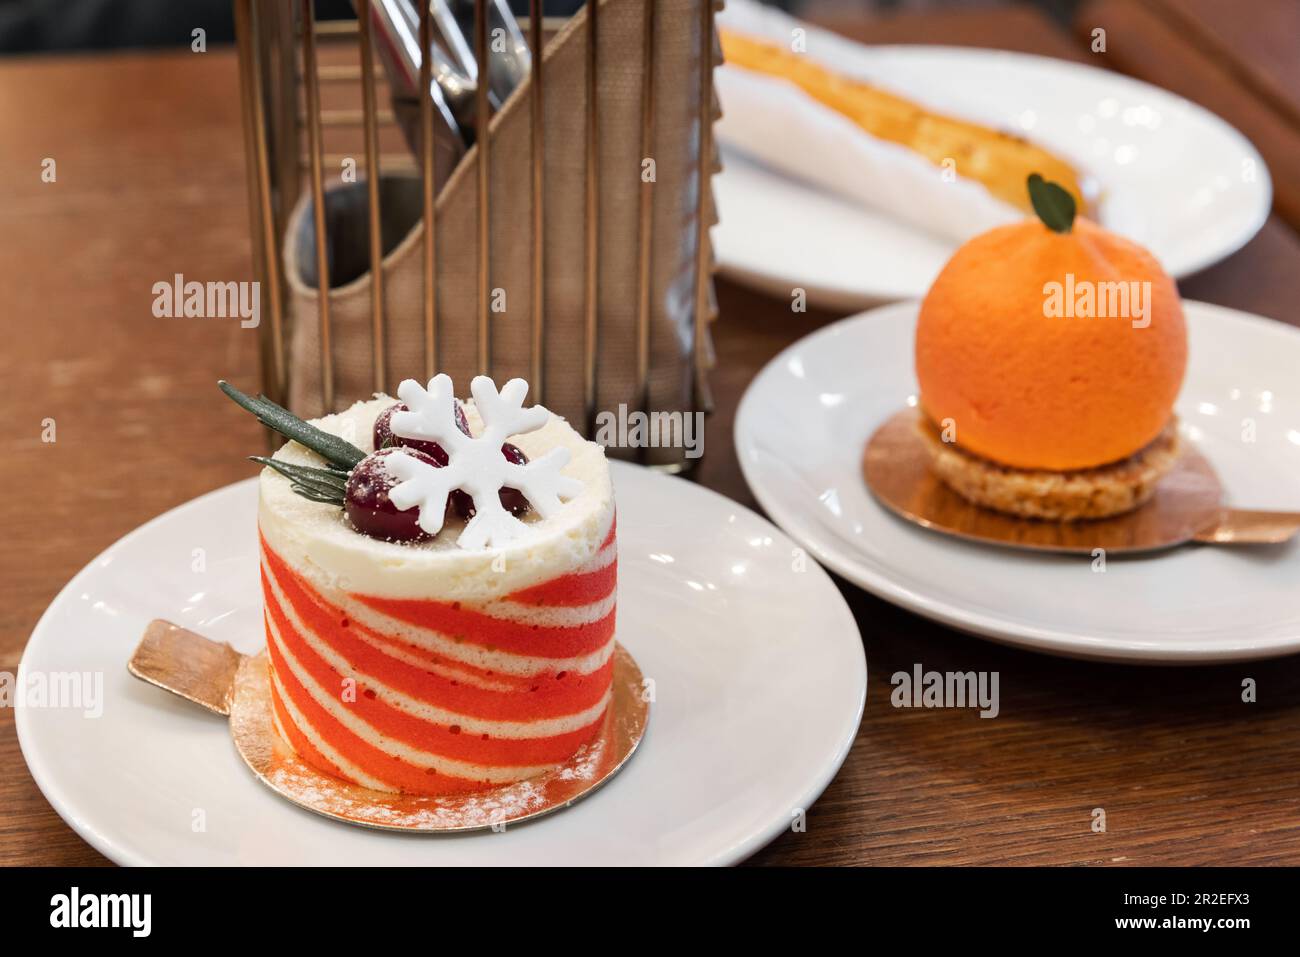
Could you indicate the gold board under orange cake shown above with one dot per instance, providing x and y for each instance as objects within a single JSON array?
[{"x": 439, "y": 653}]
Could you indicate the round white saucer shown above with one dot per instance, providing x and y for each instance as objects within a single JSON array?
[
  {"x": 759, "y": 683},
  {"x": 805, "y": 419}
]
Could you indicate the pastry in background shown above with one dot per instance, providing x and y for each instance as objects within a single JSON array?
[
  {"x": 908, "y": 155},
  {"x": 1000, "y": 161}
]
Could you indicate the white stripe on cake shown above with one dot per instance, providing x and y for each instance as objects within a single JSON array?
[
  {"x": 494, "y": 774},
  {"x": 514, "y": 730}
]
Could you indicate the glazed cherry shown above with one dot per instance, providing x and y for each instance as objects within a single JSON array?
[
  {"x": 384, "y": 437},
  {"x": 460, "y": 503},
  {"x": 511, "y": 498},
  {"x": 367, "y": 504}
]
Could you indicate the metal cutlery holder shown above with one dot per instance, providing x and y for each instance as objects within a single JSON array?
[{"x": 569, "y": 245}]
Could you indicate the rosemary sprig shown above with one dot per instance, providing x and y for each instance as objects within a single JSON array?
[
  {"x": 319, "y": 485},
  {"x": 305, "y": 473},
  {"x": 342, "y": 455}
]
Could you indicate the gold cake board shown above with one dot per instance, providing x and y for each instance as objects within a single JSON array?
[
  {"x": 222, "y": 680},
  {"x": 1187, "y": 506}
]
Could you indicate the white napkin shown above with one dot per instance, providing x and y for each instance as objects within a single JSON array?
[{"x": 778, "y": 124}]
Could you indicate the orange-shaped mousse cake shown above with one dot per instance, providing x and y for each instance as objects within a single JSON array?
[{"x": 1049, "y": 354}]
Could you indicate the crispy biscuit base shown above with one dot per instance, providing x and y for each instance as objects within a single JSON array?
[{"x": 1058, "y": 496}]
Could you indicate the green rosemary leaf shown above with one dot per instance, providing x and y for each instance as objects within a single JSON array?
[
  {"x": 315, "y": 496},
  {"x": 306, "y": 474},
  {"x": 318, "y": 485},
  {"x": 339, "y": 453}
]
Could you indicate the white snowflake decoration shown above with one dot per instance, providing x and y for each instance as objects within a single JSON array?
[{"x": 475, "y": 464}]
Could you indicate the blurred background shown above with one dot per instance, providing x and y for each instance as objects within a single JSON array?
[{"x": 36, "y": 26}]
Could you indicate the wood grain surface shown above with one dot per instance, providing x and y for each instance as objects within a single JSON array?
[{"x": 150, "y": 183}]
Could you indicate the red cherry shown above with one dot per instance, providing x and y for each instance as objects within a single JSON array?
[
  {"x": 511, "y": 498},
  {"x": 368, "y": 507},
  {"x": 460, "y": 502},
  {"x": 385, "y": 438}
]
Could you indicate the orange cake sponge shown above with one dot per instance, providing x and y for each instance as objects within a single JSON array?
[{"x": 1050, "y": 350}]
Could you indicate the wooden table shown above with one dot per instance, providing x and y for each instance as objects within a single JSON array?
[{"x": 150, "y": 183}]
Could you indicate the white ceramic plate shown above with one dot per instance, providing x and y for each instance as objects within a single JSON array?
[
  {"x": 759, "y": 678},
  {"x": 1175, "y": 177},
  {"x": 800, "y": 433}
]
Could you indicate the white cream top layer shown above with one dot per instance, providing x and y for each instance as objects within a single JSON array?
[{"x": 317, "y": 540}]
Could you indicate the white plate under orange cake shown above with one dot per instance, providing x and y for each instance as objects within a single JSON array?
[{"x": 802, "y": 425}]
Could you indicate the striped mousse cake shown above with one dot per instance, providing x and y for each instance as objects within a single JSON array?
[{"x": 426, "y": 667}]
